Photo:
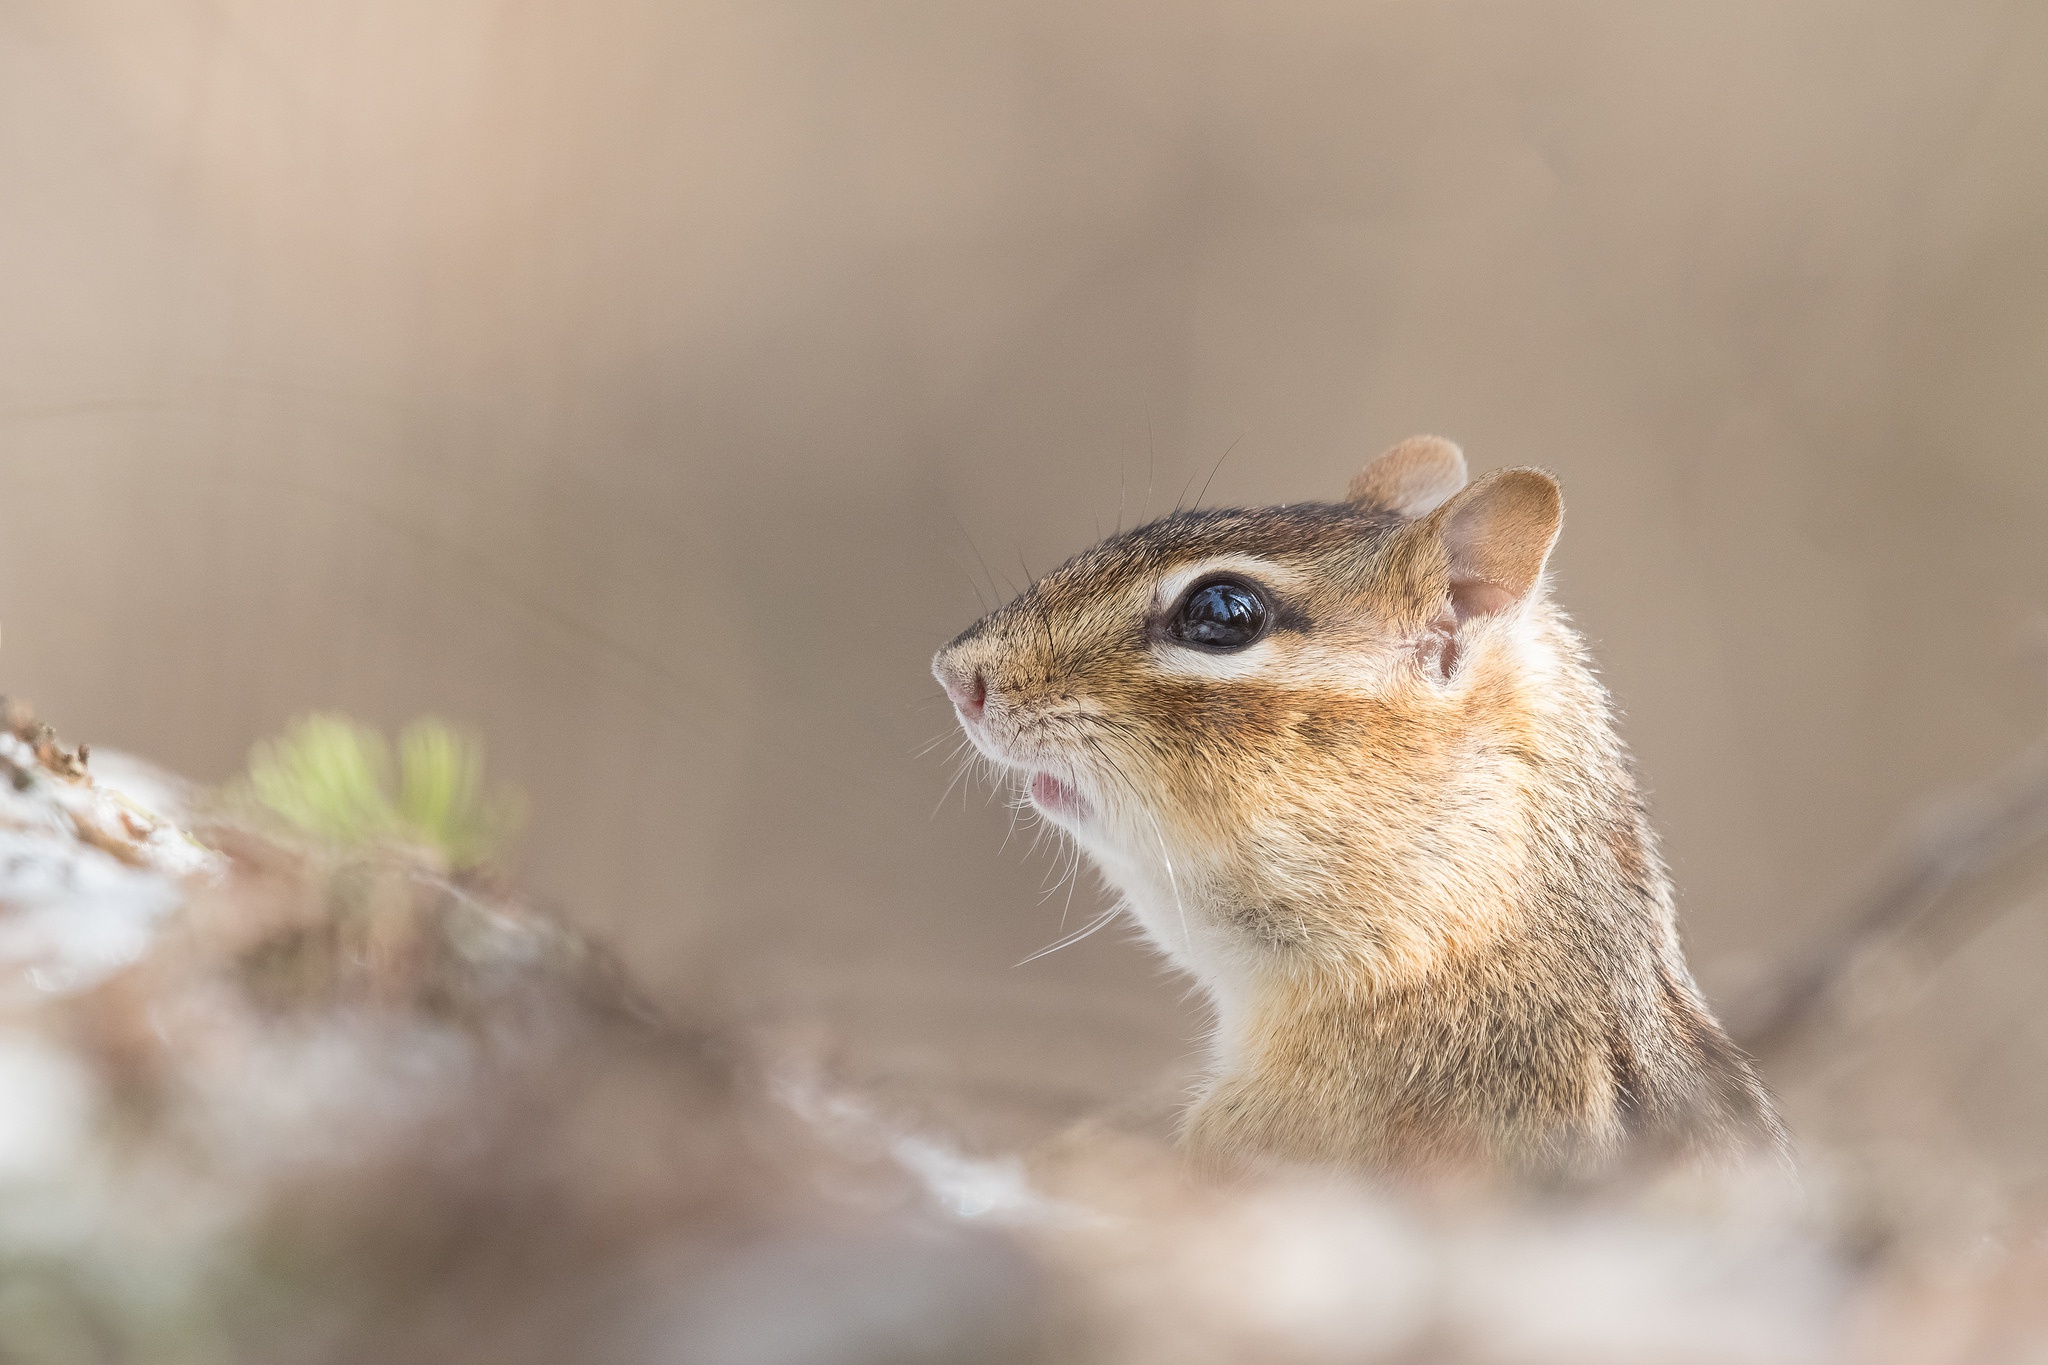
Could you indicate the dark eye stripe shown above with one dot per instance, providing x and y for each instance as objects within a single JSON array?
[{"x": 1226, "y": 613}]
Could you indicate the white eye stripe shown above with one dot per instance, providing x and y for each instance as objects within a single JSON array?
[
  {"x": 1253, "y": 661},
  {"x": 1264, "y": 571},
  {"x": 1354, "y": 669}
]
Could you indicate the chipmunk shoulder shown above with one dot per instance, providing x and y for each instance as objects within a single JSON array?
[{"x": 1347, "y": 766}]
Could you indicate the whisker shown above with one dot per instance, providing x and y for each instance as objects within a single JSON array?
[
  {"x": 1091, "y": 927},
  {"x": 1186, "y": 937},
  {"x": 1217, "y": 466},
  {"x": 1150, "y": 454},
  {"x": 936, "y": 740},
  {"x": 978, "y": 556},
  {"x": 1068, "y": 869},
  {"x": 980, "y": 599},
  {"x": 1073, "y": 879},
  {"x": 959, "y": 771},
  {"x": 1012, "y": 830}
]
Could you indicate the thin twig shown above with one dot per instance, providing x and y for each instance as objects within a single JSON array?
[{"x": 1955, "y": 838}]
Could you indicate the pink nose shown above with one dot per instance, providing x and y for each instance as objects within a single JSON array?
[{"x": 969, "y": 692}]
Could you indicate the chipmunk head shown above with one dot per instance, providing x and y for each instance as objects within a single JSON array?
[{"x": 1273, "y": 727}]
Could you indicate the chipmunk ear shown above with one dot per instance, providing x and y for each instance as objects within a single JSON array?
[
  {"x": 1497, "y": 535},
  {"x": 1412, "y": 479}
]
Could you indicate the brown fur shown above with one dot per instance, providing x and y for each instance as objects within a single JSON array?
[{"x": 1397, "y": 839}]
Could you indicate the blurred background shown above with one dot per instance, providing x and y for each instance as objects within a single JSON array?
[{"x": 652, "y": 387}]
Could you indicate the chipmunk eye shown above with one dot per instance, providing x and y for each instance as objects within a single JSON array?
[{"x": 1222, "y": 615}]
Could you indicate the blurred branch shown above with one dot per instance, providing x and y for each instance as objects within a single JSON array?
[{"x": 1953, "y": 839}]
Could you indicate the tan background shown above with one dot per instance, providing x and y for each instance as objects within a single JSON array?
[{"x": 645, "y": 384}]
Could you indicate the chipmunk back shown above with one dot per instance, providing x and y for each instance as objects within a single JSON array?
[{"x": 1347, "y": 766}]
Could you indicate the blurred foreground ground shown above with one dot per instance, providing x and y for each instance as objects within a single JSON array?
[{"x": 287, "y": 1100}]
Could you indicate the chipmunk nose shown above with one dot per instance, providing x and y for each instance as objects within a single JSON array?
[{"x": 966, "y": 686}]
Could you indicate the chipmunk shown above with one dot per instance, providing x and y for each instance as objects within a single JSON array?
[{"x": 1347, "y": 766}]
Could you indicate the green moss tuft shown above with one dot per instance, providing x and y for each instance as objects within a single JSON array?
[{"x": 331, "y": 778}]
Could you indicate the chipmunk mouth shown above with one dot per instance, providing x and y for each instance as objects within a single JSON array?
[
  {"x": 1055, "y": 797},
  {"x": 1019, "y": 744}
]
